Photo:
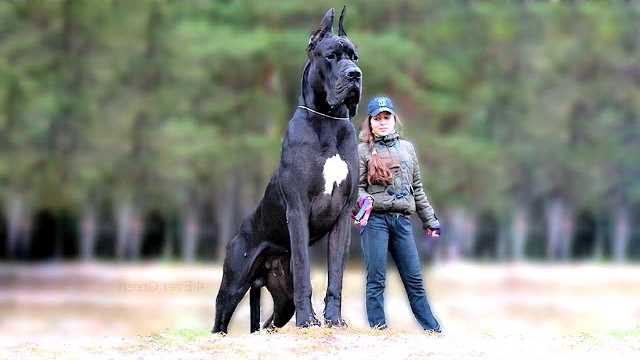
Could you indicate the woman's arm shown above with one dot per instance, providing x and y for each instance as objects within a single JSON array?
[{"x": 423, "y": 206}]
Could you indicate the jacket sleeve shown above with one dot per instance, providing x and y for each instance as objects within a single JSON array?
[
  {"x": 363, "y": 170},
  {"x": 423, "y": 206}
]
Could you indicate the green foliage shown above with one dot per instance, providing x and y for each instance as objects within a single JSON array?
[{"x": 156, "y": 99}]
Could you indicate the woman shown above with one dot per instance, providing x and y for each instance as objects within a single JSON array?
[{"x": 390, "y": 177}]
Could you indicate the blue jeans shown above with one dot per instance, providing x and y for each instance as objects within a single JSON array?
[{"x": 392, "y": 232}]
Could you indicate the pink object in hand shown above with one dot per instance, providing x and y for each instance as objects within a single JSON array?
[{"x": 365, "y": 203}]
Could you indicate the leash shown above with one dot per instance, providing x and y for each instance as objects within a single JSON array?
[{"x": 319, "y": 113}]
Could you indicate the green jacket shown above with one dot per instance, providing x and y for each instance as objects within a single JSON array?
[{"x": 406, "y": 194}]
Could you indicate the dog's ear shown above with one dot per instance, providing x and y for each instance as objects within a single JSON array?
[
  {"x": 326, "y": 27},
  {"x": 341, "y": 31}
]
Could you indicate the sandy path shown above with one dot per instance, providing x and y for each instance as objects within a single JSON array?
[{"x": 165, "y": 311}]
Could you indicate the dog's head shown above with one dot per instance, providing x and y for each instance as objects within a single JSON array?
[{"x": 333, "y": 68}]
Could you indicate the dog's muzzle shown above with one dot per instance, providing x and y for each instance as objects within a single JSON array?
[
  {"x": 353, "y": 74},
  {"x": 349, "y": 83}
]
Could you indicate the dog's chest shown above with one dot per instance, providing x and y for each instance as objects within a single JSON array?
[
  {"x": 334, "y": 173},
  {"x": 331, "y": 192}
]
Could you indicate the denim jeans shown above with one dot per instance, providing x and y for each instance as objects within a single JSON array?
[{"x": 392, "y": 233}]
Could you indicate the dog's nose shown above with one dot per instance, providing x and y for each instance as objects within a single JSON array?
[{"x": 354, "y": 74}]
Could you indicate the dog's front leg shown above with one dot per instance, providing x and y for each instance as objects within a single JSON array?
[
  {"x": 337, "y": 249},
  {"x": 298, "y": 225}
]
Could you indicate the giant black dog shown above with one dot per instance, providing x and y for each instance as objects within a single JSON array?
[{"x": 310, "y": 195}]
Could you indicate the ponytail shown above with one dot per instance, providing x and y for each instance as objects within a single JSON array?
[{"x": 378, "y": 172}]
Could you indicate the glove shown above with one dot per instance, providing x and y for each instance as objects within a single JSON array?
[
  {"x": 433, "y": 232},
  {"x": 365, "y": 203}
]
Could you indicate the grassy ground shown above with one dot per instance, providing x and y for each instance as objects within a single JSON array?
[{"x": 165, "y": 311}]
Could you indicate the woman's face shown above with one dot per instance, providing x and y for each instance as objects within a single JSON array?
[{"x": 383, "y": 124}]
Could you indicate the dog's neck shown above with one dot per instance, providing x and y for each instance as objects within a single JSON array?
[{"x": 316, "y": 99}]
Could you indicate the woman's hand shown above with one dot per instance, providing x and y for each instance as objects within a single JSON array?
[
  {"x": 433, "y": 232},
  {"x": 362, "y": 217}
]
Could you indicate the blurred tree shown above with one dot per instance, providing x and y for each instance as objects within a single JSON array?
[{"x": 525, "y": 115}]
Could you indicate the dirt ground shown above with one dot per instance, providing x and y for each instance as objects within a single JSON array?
[{"x": 163, "y": 310}]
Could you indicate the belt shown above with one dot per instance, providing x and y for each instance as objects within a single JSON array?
[{"x": 392, "y": 213}]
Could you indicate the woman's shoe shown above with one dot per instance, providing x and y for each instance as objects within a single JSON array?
[{"x": 434, "y": 332}]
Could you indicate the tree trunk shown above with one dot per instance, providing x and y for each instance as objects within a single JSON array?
[
  {"x": 502, "y": 245},
  {"x": 129, "y": 233},
  {"x": 568, "y": 229},
  {"x": 88, "y": 233},
  {"x": 169, "y": 240},
  {"x": 190, "y": 233},
  {"x": 621, "y": 233},
  {"x": 598, "y": 249},
  {"x": 519, "y": 232},
  {"x": 225, "y": 215},
  {"x": 470, "y": 231},
  {"x": 19, "y": 228},
  {"x": 123, "y": 214},
  {"x": 560, "y": 226},
  {"x": 461, "y": 233}
]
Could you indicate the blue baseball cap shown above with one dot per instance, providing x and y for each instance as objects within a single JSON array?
[{"x": 379, "y": 104}]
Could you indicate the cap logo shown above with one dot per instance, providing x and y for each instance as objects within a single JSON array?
[{"x": 382, "y": 102}]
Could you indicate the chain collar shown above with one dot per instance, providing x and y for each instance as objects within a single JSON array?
[{"x": 325, "y": 115}]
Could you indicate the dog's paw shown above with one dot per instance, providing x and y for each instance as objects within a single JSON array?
[
  {"x": 219, "y": 332},
  {"x": 339, "y": 323},
  {"x": 310, "y": 322},
  {"x": 270, "y": 329}
]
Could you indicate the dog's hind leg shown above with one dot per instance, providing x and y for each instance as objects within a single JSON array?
[
  {"x": 254, "y": 304},
  {"x": 227, "y": 300},
  {"x": 236, "y": 280},
  {"x": 240, "y": 265}
]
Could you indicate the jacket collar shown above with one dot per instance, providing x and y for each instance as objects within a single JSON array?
[{"x": 389, "y": 139}]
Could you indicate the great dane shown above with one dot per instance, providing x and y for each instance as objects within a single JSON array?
[{"x": 309, "y": 196}]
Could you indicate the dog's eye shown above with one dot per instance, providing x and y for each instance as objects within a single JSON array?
[
  {"x": 331, "y": 57},
  {"x": 354, "y": 58}
]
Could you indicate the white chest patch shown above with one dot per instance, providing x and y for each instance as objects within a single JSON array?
[{"x": 335, "y": 171}]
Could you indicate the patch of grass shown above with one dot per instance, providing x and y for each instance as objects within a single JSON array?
[
  {"x": 628, "y": 333},
  {"x": 189, "y": 334},
  {"x": 173, "y": 337}
]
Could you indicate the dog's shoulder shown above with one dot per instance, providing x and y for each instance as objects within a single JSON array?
[{"x": 297, "y": 128}]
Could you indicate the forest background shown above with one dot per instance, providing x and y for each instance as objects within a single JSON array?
[{"x": 149, "y": 129}]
